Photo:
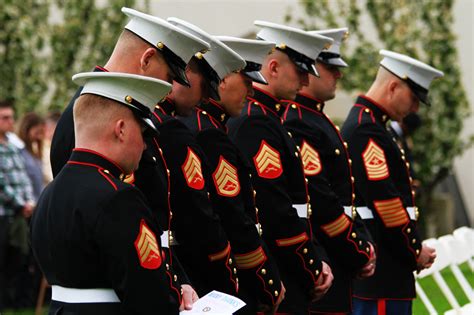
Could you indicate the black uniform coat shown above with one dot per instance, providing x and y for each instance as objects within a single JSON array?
[
  {"x": 327, "y": 167},
  {"x": 232, "y": 198},
  {"x": 91, "y": 230},
  {"x": 278, "y": 178},
  {"x": 201, "y": 243},
  {"x": 383, "y": 184}
]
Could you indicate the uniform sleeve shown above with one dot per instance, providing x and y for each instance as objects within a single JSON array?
[
  {"x": 232, "y": 197},
  {"x": 288, "y": 235},
  {"x": 129, "y": 242},
  {"x": 373, "y": 161},
  {"x": 336, "y": 230},
  {"x": 195, "y": 224}
]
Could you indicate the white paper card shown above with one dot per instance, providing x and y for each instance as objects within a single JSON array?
[{"x": 216, "y": 302}]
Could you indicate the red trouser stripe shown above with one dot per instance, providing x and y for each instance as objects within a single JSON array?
[{"x": 381, "y": 307}]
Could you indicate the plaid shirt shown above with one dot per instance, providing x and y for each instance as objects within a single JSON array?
[{"x": 15, "y": 186}]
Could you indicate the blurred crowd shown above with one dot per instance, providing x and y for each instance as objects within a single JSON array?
[{"x": 24, "y": 171}]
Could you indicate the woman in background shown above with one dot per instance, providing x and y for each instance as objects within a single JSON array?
[{"x": 32, "y": 132}]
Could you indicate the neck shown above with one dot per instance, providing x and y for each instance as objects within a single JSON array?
[
  {"x": 267, "y": 88},
  {"x": 377, "y": 94},
  {"x": 3, "y": 138}
]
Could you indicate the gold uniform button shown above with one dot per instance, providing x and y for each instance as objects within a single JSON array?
[
  {"x": 235, "y": 271},
  {"x": 360, "y": 243},
  {"x": 310, "y": 212},
  {"x": 263, "y": 271},
  {"x": 346, "y": 145},
  {"x": 306, "y": 180},
  {"x": 298, "y": 147},
  {"x": 413, "y": 241},
  {"x": 277, "y": 107},
  {"x": 353, "y": 196},
  {"x": 305, "y": 250},
  {"x": 418, "y": 252},
  {"x": 408, "y": 230},
  {"x": 168, "y": 172},
  {"x": 289, "y": 133},
  {"x": 318, "y": 107},
  {"x": 204, "y": 112},
  {"x": 167, "y": 267},
  {"x": 413, "y": 193},
  {"x": 403, "y": 151},
  {"x": 276, "y": 293},
  {"x": 296, "y": 154},
  {"x": 161, "y": 151},
  {"x": 106, "y": 172},
  {"x": 175, "y": 278},
  {"x": 316, "y": 272},
  {"x": 403, "y": 158},
  {"x": 254, "y": 193},
  {"x": 237, "y": 280},
  {"x": 311, "y": 261},
  {"x": 293, "y": 106},
  {"x": 256, "y": 210},
  {"x": 350, "y": 162},
  {"x": 255, "y": 103},
  {"x": 157, "y": 106},
  {"x": 230, "y": 261},
  {"x": 354, "y": 214},
  {"x": 270, "y": 282},
  {"x": 367, "y": 110},
  {"x": 352, "y": 179},
  {"x": 384, "y": 117},
  {"x": 338, "y": 128},
  {"x": 154, "y": 159},
  {"x": 354, "y": 234},
  {"x": 367, "y": 249},
  {"x": 337, "y": 151}
]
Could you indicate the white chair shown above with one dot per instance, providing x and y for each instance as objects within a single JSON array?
[
  {"x": 466, "y": 235},
  {"x": 459, "y": 253},
  {"x": 442, "y": 261}
]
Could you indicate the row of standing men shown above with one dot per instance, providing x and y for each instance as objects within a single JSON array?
[{"x": 253, "y": 189}]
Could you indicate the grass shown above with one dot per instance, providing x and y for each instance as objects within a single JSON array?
[{"x": 428, "y": 284}]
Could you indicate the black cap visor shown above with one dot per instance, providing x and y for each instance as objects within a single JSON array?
[
  {"x": 211, "y": 77},
  {"x": 304, "y": 64},
  {"x": 176, "y": 64},
  {"x": 143, "y": 114},
  {"x": 252, "y": 70},
  {"x": 332, "y": 59}
]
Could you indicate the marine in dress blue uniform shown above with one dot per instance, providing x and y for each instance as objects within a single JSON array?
[
  {"x": 93, "y": 235},
  {"x": 277, "y": 174},
  {"x": 383, "y": 183}
]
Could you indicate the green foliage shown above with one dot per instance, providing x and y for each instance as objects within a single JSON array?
[
  {"x": 44, "y": 42},
  {"x": 423, "y": 30}
]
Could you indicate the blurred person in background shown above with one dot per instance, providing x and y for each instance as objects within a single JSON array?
[
  {"x": 16, "y": 204},
  {"x": 32, "y": 132}
]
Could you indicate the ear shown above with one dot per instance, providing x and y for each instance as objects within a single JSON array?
[
  {"x": 273, "y": 67},
  {"x": 119, "y": 130},
  {"x": 146, "y": 58},
  {"x": 392, "y": 88}
]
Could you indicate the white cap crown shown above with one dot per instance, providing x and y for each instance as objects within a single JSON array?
[
  {"x": 220, "y": 57},
  {"x": 332, "y": 55}
]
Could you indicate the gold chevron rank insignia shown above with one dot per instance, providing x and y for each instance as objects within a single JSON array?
[
  {"x": 147, "y": 248},
  {"x": 268, "y": 162},
  {"x": 310, "y": 158},
  {"x": 337, "y": 226},
  {"x": 226, "y": 179},
  {"x": 392, "y": 212},
  {"x": 192, "y": 170},
  {"x": 250, "y": 260},
  {"x": 375, "y": 162}
]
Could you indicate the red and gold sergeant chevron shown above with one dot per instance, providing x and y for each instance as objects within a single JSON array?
[
  {"x": 375, "y": 162},
  {"x": 310, "y": 158},
  {"x": 226, "y": 179},
  {"x": 147, "y": 248},
  {"x": 192, "y": 170},
  {"x": 392, "y": 212},
  {"x": 250, "y": 260},
  {"x": 337, "y": 226},
  {"x": 300, "y": 238},
  {"x": 220, "y": 255},
  {"x": 267, "y": 161}
]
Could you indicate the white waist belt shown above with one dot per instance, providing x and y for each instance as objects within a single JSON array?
[
  {"x": 165, "y": 240},
  {"x": 411, "y": 213},
  {"x": 348, "y": 211},
  {"x": 71, "y": 295},
  {"x": 365, "y": 213},
  {"x": 302, "y": 210}
]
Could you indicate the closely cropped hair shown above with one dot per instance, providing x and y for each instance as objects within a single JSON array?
[
  {"x": 6, "y": 104},
  {"x": 94, "y": 113}
]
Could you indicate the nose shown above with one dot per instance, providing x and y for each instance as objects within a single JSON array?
[{"x": 338, "y": 73}]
